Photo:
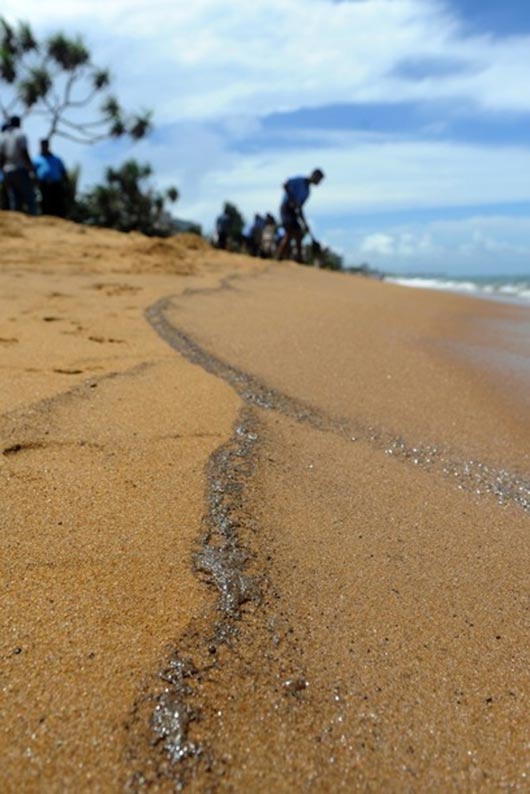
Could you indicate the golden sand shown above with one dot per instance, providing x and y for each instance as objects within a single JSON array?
[{"x": 389, "y": 651}]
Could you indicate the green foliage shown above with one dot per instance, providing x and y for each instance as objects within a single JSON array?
[
  {"x": 35, "y": 87},
  {"x": 57, "y": 79},
  {"x": 234, "y": 224},
  {"x": 325, "y": 258},
  {"x": 26, "y": 40},
  {"x": 110, "y": 107},
  {"x": 8, "y": 41},
  {"x": 67, "y": 53},
  {"x": 139, "y": 126},
  {"x": 331, "y": 260},
  {"x": 101, "y": 79},
  {"x": 7, "y": 67},
  {"x": 127, "y": 202}
]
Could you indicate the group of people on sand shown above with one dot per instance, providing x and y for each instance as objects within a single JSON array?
[
  {"x": 262, "y": 236},
  {"x": 28, "y": 185},
  {"x": 267, "y": 238}
]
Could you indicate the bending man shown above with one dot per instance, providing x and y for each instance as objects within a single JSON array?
[{"x": 297, "y": 191}]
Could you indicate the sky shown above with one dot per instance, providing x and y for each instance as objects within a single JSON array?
[{"x": 418, "y": 111}]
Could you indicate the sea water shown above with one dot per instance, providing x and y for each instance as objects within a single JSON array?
[
  {"x": 505, "y": 345},
  {"x": 515, "y": 289}
]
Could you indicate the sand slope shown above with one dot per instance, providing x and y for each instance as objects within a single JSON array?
[{"x": 388, "y": 648}]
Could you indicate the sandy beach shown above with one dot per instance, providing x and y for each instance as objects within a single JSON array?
[{"x": 264, "y": 528}]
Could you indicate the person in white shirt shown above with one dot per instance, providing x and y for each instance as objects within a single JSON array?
[{"x": 18, "y": 169}]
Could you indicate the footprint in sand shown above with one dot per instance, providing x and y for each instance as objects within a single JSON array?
[
  {"x": 109, "y": 340},
  {"x": 78, "y": 329},
  {"x": 115, "y": 289}
]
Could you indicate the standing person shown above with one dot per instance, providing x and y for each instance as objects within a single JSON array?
[
  {"x": 256, "y": 232},
  {"x": 4, "y": 200},
  {"x": 297, "y": 191},
  {"x": 221, "y": 227},
  {"x": 52, "y": 179},
  {"x": 18, "y": 168},
  {"x": 268, "y": 237}
]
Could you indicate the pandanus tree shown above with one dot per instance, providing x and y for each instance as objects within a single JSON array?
[{"x": 57, "y": 80}]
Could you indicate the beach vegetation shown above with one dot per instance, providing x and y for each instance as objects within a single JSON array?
[
  {"x": 127, "y": 201},
  {"x": 56, "y": 79},
  {"x": 234, "y": 225},
  {"x": 322, "y": 256}
]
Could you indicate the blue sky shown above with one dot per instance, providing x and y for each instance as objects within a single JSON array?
[{"x": 417, "y": 110}]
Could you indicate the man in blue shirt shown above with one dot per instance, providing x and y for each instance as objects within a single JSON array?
[
  {"x": 52, "y": 179},
  {"x": 297, "y": 191}
]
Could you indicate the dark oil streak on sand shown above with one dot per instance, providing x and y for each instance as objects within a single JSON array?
[
  {"x": 468, "y": 475},
  {"x": 224, "y": 558}
]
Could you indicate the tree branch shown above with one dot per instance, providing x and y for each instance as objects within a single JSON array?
[
  {"x": 84, "y": 124},
  {"x": 88, "y": 139},
  {"x": 57, "y": 77},
  {"x": 79, "y": 103}
]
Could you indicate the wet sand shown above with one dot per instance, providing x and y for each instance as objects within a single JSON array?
[{"x": 298, "y": 496}]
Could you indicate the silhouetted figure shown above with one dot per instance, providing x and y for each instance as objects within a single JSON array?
[
  {"x": 255, "y": 234},
  {"x": 52, "y": 180},
  {"x": 297, "y": 191},
  {"x": 4, "y": 199},
  {"x": 221, "y": 227},
  {"x": 18, "y": 168},
  {"x": 268, "y": 237}
]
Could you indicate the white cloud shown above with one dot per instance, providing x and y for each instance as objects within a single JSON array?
[
  {"x": 474, "y": 244},
  {"x": 378, "y": 243},
  {"x": 365, "y": 174},
  {"x": 213, "y": 58},
  {"x": 233, "y": 62},
  {"x": 403, "y": 244}
]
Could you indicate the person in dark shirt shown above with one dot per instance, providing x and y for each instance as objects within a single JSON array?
[
  {"x": 256, "y": 230},
  {"x": 52, "y": 179},
  {"x": 4, "y": 198},
  {"x": 297, "y": 190},
  {"x": 18, "y": 168},
  {"x": 221, "y": 227}
]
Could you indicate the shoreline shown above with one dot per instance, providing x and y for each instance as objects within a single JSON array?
[
  {"x": 387, "y": 585},
  {"x": 485, "y": 289}
]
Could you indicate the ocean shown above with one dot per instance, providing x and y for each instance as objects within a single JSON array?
[
  {"x": 511, "y": 358},
  {"x": 513, "y": 289}
]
